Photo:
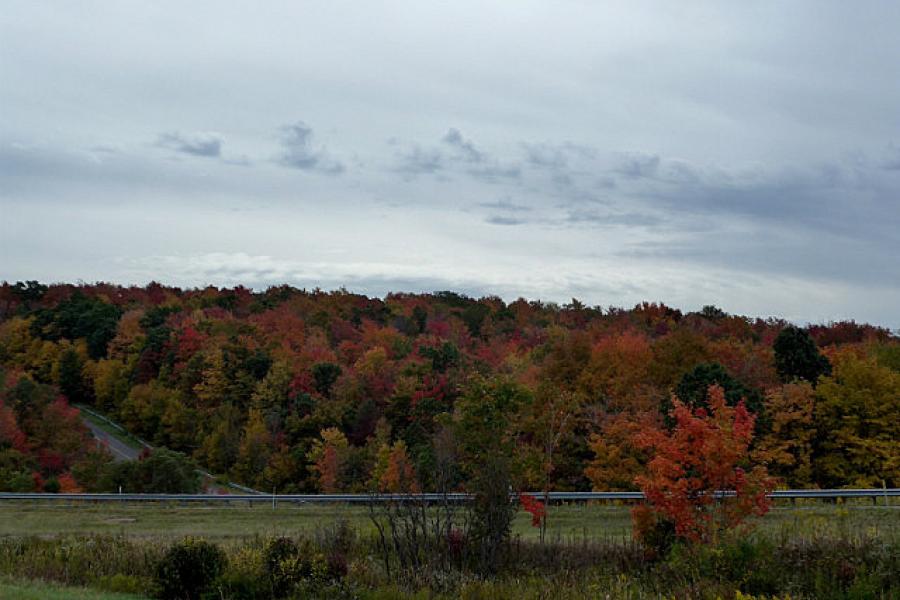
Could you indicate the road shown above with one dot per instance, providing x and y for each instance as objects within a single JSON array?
[{"x": 120, "y": 450}]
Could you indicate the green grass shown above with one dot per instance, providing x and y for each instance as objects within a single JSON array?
[
  {"x": 240, "y": 520},
  {"x": 39, "y": 590}
]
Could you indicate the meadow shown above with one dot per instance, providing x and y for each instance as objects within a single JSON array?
[
  {"x": 111, "y": 552},
  {"x": 593, "y": 522}
]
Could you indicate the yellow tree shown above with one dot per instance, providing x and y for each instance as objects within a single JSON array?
[
  {"x": 254, "y": 450},
  {"x": 617, "y": 460},
  {"x": 213, "y": 384},
  {"x": 327, "y": 456},
  {"x": 394, "y": 470},
  {"x": 786, "y": 449},
  {"x": 111, "y": 383},
  {"x": 857, "y": 423}
]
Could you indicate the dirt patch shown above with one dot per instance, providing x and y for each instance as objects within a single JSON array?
[{"x": 119, "y": 520}]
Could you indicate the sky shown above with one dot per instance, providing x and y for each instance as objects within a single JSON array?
[{"x": 742, "y": 154}]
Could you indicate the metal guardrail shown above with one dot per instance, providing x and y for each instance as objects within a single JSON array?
[{"x": 382, "y": 498}]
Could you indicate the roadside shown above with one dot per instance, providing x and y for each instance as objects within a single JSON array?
[
  {"x": 125, "y": 446},
  {"x": 121, "y": 444}
]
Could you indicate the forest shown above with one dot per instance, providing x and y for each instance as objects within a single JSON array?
[{"x": 313, "y": 391}]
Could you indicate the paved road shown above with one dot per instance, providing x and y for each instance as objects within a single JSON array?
[
  {"x": 120, "y": 451},
  {"x": 123, "y": 452}
]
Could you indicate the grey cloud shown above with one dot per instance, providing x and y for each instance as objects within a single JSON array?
[
  {"x": 556, "y": 156},
  {"x": 636, "y": 166},
  {"x": 505, "y": 212},
  {"x": 803, "y": 255},
  {"x": 298, "y": 151},
  {"x": 196, "y": 144},
  {"x": 484, "y": 167},
  {"x": 506, "y": 205},
  {"x": 892, "y": 161},
  {"x": 241, "y": 161},
  {"x": 456, "y": 153},
  {"x": 632, "y": 219},
  {"x": 568, "y": 171},
  {"x": 418, "y": 161},
  {"x": 545, "y": 156},
  {"x": 496, "y": 172},
  {"x": 464, "y": 148},
  {"x": 846, "y": 197},
  {"x": 42, "y": 174},
  {"x": 50, "y": 174},
  {"x": 503, "y": 220}
]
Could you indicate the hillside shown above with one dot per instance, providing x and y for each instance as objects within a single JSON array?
[{"x": 302, "y": 390}]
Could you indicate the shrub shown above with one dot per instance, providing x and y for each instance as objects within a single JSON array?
[
  {"x": 238, "y": 585},
  {"x": 121, "y": 584},
  {"x": 655, "y": 532},
  {"x": 245, "y": 577},
  {"x": 284, "y": 566},
  {"x": 188, "y": 568},
  {"x": 162, "y": 471}
]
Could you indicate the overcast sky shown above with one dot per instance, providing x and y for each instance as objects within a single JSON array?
[{"x": 743, "y": 154}]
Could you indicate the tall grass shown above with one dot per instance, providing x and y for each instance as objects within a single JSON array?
[{"x": 803, "y": 558}]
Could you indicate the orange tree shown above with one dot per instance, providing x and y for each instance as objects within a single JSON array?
[{"x": 706, "y": 452}]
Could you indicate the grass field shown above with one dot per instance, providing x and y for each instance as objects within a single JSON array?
[
  {"x": 811, "y": 550},
  {"x": 38, "y": 590},
  {"x": 242, "y": 520}
]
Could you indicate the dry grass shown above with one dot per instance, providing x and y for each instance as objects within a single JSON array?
[{"x": 242, "y": 520}]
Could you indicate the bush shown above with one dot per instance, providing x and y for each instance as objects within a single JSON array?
[
  {"x": 244, "y": 578},
  {"x": 284, "y": 566},
  {"x": 238, "y": 585},
  {"x": 121, "y": 584},
  {"x": 655, "y": 532},
  {"x": 188, "y": 568},
  {"x": 162, "y": 471}
]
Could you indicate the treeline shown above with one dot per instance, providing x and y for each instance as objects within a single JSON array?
[{"x": 331, "y": 391}]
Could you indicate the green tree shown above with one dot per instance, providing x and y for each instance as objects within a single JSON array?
[
  {"x": 79, "y": 317},
  {"x": 487, "y": 445},
  {"x": 161, "y": 472},
  {"x": 219, "y": 448},
  {"x": 71, "y": 376},
  {"x": 693, "y": 391},
  {"x": 325, "y": 374},
  {"x": 796, "y": 356}
]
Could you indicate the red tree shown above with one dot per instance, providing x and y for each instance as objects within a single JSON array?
[
  {"x": 534, "y": 507},
  {"x": 705, "y": 453}
]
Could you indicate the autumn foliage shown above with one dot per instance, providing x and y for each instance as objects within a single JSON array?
[
  {"x": 706, "y": 452},
  {"x": 313, "y": 391},
  {"x": 534, "y": 507}
]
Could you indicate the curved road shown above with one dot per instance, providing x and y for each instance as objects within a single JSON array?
[
  {"x": 120, "y": 450},
  {"x": 124, "y": 452}
]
